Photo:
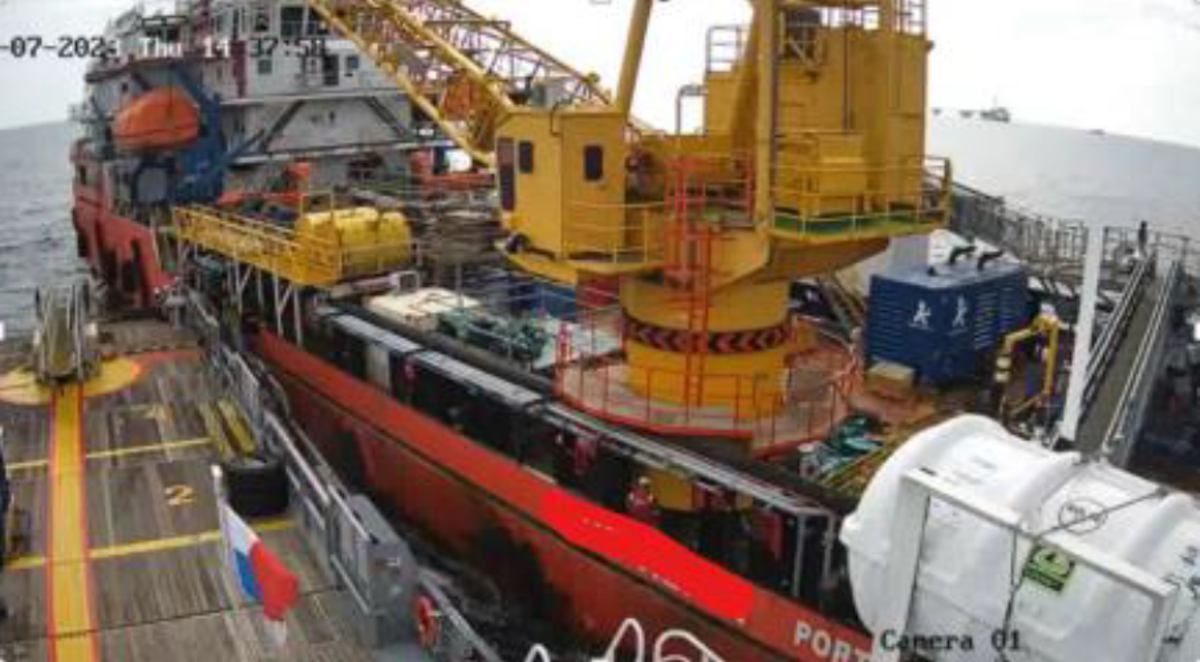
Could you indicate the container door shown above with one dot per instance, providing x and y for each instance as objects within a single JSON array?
[
  {"x": 332, "y": 70},
  {"x": 379, "y": 367}
]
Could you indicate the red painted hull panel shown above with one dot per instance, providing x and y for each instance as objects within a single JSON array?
[
  {"x": 456, "y": 490},
  {"x": 129, "y": 241}
]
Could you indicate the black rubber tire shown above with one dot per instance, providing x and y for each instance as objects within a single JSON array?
[{"x": 257, "y": 486}]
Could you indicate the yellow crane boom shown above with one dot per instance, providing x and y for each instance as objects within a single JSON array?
[{"x": 462, "y": 69}]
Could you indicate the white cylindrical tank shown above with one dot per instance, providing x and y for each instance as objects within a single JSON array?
[{"x": 1062, "y": 611}]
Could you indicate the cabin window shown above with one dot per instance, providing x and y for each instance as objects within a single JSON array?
[
  {"x": 508, "y": 178},
  {"x": 265, "y": 67},
  {"x": 352, "y": 63},
  {"x": 291, "y": 22},
  {"x": 593, "y": 163},
  {"x": 525, "y": 157},
  {"x": 317, "y": 26},
  {"x": 262, "y": 20}
]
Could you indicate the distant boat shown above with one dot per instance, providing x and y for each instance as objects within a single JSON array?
[
  {"x": 996, "y": 114},
  {"x": 993, "y": 114}
]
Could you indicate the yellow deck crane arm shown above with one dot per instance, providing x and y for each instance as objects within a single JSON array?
[
  {"x": 810, "y": 159},
  {"x": 463, "y": 70}
]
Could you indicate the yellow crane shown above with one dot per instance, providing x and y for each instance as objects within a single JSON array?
[
  {"x": 465, "y": 71},
  {"x": 811, "y": 158}
]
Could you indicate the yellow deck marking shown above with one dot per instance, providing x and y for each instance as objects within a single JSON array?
[
  {"x": 179, "y": 495},
  {"x": 20, "y": 387},
  {"x": 150, "y": 546},
  {"x": 70, "y": 587},
  {"x": 120, "y": 452},
  {"x": 179, "y": 542},
  {"x": 26, "y": 466},
  {"x": 151, "y": 448}
]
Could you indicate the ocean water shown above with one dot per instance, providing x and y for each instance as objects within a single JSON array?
[
  {"x": 37, "y": 243},
  {"x": 1075, "y": 174},
  {"x": 1111, "y": 180}
]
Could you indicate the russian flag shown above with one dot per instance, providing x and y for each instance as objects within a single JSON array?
[{"x": 261, "y": 576}]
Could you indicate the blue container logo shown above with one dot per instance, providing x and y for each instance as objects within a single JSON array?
[{"x": 920, "y": 319}]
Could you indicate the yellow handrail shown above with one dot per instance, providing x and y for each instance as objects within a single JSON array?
[
  {"x": 637, "y": 237},
  {"x": 305, "y": 259}
]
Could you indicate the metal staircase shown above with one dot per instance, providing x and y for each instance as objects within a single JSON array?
[
  {"x": 849, "y": 308},
  {"x": 690, "y": 266},
  {"x": 65, "y": 341}
]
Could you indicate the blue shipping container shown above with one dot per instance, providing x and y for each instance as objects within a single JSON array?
[{"x": 947, "y": 324}]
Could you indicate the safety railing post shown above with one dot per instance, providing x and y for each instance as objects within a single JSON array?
[
  {"x": 606, "y": 370},
  {"x": 649, "y": 391},
  {"x": 577, "y": 357},
  {"x": 737, "y": 401}
]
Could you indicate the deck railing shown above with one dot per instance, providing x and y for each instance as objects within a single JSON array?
[
  {"x": 826, "y": 204},
  {"x": 628, "y": 235},
  {"x": 777, "y": 411},
  {"x": 304, "y": 258}
]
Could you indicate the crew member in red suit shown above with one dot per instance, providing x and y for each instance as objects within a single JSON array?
[{"x": 640, "y": 503}]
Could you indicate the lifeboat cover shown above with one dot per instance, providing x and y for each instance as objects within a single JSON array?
[{"x": 164, "y": 118}]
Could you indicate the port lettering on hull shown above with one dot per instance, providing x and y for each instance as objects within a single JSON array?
[{"x": 820, "y": 644}]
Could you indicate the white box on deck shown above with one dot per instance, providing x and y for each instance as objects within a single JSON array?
[
  {"x": 420, "y": 308},
  {"x": 1061, "y": 610}
]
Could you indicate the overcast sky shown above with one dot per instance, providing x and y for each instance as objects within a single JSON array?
[{"x": 1125, "y": 66}]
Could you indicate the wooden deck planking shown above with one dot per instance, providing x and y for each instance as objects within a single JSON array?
[
  {"x": 24, "y": 592},
  {"x": 316, "y": 633},
  {"x": 149, "y": 501},
  {"x": 160, "y": 588}
]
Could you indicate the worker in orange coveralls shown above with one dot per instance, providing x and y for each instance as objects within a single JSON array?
[{"x": 640, "y": 504}]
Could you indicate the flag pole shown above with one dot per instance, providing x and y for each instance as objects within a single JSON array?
[
  {"x": 276, "y": 629},
  {"x": 219, "y": 496}
]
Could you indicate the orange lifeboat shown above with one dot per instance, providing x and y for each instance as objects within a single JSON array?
[{"x": 163, "y": 118}]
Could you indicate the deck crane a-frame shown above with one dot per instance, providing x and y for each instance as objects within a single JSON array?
[{"x": 811, "y": 159}]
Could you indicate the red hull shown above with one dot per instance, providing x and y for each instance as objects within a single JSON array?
[
  {"x": 115, "y": 245},
  {"x": 460, "y": 492}
]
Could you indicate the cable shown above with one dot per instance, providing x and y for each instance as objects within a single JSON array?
[{"x": 1035, "y": 541}]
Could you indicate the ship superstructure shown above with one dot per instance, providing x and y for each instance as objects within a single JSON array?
[
  {"x": 641, "y": 388},
  {"x": 211, "y": 99},
  {"x": 602, "y": 413}
]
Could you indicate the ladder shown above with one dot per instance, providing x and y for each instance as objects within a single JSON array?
[
  {"x": 65, "y": 340},
  {"x": 690, "y": 266},
  {"x": 848, "y": 307}
]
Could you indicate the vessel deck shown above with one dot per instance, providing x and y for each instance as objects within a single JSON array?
[{"x": 116, "y": 551}]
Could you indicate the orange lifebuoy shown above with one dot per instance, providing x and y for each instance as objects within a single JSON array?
[{"x": 427, "y": 623}]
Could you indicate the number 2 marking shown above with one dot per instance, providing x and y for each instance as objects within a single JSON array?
[{"x": 180, "y": 495}]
